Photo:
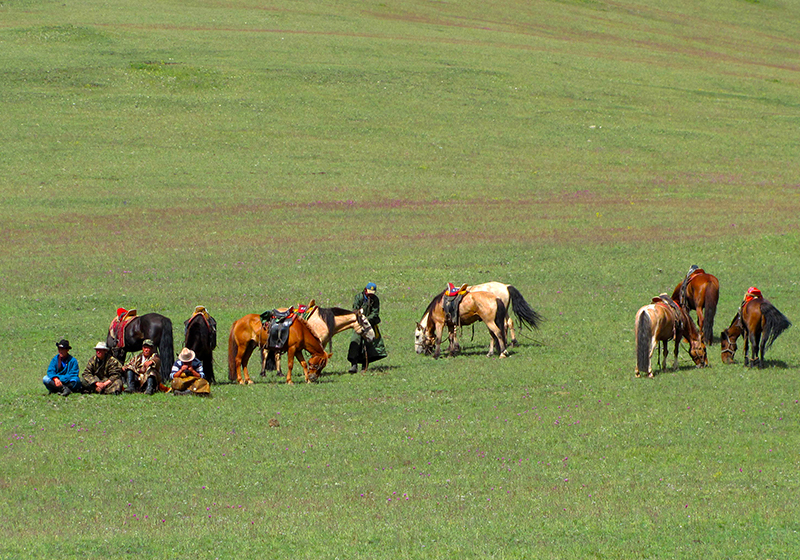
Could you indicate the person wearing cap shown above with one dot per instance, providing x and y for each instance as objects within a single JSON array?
[
  {"x": 103, "y": 373},
  {"x": 187, "y": 375},
  {"x": 63, "y": 373},
  {"x": 361, "y": 351},
  {"x": 143, "y": 372}
]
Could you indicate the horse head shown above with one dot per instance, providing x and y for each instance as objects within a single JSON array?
[
  {"x": 728, "y": 345},
  {"x": 316, "y": 363},
  {"x": 363, "y": 327},
  {"x": 698, "y": 353},
  {"x": 424, "y": 342}
]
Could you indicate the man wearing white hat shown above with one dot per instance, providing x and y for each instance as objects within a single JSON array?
[
  {"x": 187, "y": 375},
  {"x": 103, "y": 373}
]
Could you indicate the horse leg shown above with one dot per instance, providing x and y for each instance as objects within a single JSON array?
[
  {"x": 289, "y": 365},
  {"x": 243, "y": 376},
  {"x": 438, "y": 335},
  {"x": 278, "y": 364},
  {"x": 498, "y": 336},
  {"x": 304, "y": 364},
  {"x": 757, "y": 358},
  {"x": 746, "y": 349},
  {"x": 510, "y": 330},
  {"x": 677, "y": 348},
  {"x": 654, "y": 346}
]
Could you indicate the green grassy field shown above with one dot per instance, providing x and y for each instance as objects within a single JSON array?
[{"x": 242, "y": 156}]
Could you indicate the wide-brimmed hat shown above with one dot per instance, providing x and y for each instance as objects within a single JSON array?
[
  {"x": 371, "y": 288},
  {"x": 64, "y": 343},
  {"x": 148, "y": 342},
  {"x": 186, "y": 355},
  {"x": 100, "y": 346}
]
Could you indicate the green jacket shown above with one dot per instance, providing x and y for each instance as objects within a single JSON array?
[{"x": 101, "y": 371}]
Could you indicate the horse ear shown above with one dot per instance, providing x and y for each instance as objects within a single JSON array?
[
  {"x": 330, "y": 355},
  {"x": 419, "y": 326},
  {"x": 312, "y": 303}
]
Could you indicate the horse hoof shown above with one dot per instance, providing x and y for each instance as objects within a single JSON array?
[
  {"x": 638, "y": 374},
  {"x": 250, "y": 382}
]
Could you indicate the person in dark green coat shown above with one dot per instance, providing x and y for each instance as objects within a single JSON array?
[{"x": 361, "y": 351}]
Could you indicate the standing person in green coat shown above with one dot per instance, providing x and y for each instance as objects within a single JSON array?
[{"x": 361, "y": 351}]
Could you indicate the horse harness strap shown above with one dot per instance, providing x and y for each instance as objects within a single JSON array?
[
  {"x": 677, "y": 322},
  {"x": 451, "y": 302}
]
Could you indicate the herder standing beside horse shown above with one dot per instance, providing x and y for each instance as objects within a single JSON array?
[
  {"x": 363, "y": 351},
  {"x": 699, "y": 291}
]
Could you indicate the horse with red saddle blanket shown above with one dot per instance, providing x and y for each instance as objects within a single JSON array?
[
  {"x": 760, "y": 322},
  {"x": 129, "y": 330}
]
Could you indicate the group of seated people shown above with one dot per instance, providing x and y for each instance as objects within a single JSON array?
[{"x": 105, "y": 375}]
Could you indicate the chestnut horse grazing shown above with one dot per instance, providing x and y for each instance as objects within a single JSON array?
[
  {"x": 700, "y": 291},
  {"x": 658, "y": 323},
  {"x": 474, "y": 306},
  {"x": 248, "y": 333},
  {"x": 301, "y": 338},
  {"x": 760, "y": 323}
]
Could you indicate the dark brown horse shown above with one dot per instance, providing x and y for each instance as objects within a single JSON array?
[
  {"x": 157, "y": 328},
  {"x": 474, "y": 306},
  {"x": 699, "y": 291},
  {"x": 201, "y": 337},
  {"x": 656, "y": 324},
  {"x": 760, "y": 323}
]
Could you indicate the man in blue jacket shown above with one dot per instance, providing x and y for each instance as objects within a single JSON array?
[{"x": 63, "y": 374}]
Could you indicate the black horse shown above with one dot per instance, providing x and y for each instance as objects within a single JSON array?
[
  {"x": 153, "y": 326},
  {"x": 201, "y": 337}
]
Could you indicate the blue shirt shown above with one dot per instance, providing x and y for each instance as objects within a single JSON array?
[{"x": 67, "y": 371}]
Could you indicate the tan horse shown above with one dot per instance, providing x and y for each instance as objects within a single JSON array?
[
  {"x": 474, "y": 306},
  {"x": 658, "y": 323},
  {"x": 248, "y": 333}
]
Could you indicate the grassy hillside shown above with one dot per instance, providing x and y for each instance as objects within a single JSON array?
[{"x": 161, "y": 155}]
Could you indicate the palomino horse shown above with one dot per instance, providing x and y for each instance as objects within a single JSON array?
[
  {"x": 301, "y": 338},
  {"x": 157, "y": 328},
  {"x": 511, "y": 298},
  {"x": 760, "y": 323},
  {"x": 248, "y": 333},
  {"x": 700, "y": 291},
  {"x": 658, "y": 323},
  {"x": 474, "y": 306},
  {"x": 201, "y": 338}
]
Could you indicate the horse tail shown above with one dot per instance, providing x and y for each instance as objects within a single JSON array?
[
  {"x": 709, "y": 312},
  {"x": 233, "y": 350},
  {"x": 643, "y": 337},
  {"x": 524, "y": 312},
  {"x": 166, "y": 349},
  {"x": 775, "y": 323},
  {"x": 269, "y": 363}
]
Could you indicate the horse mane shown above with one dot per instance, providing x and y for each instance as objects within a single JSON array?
[
  {"x": 432, "y": 305},
  {"x": 329, "y": 314}
]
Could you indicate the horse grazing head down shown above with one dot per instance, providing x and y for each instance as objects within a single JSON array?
[
  {"x": 728, "y": 345},
  {"x": 424, "y": 342},
  {"x": 316, "y": 363},
  {"x": 698, "y": 353}
]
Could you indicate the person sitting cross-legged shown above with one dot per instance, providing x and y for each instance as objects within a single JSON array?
[
  {"x": 103, "y": 373},
  {"x": 187, "y": 375},
  {"x": 63, "y": 373},
  {"x": 143, "y": 372}
]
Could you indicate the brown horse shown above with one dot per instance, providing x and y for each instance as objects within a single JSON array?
[
  {"x": 248, "y": 333},
  {"x": 760, "y": 323},
  {"x": 301, "y": 338},
  {"x": 474, "y": 306},
  {"x": 700, "y": 291},
  {"x": 658, "y": 323}
]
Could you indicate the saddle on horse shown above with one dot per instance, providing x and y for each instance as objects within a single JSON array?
[
  {"x": 118, "y": 324},
  {"x": 451, "y": 300},
  {"x": 677, "y": 324},
  {"x": 693, "y": 271},
  {"x": 211, "y": 323},
  {"x": 278, "y": 324}
]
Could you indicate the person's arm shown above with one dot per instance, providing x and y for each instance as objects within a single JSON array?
[
  {"x": 71, "y": 372},
  {"x": 51, "y": 369}
]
